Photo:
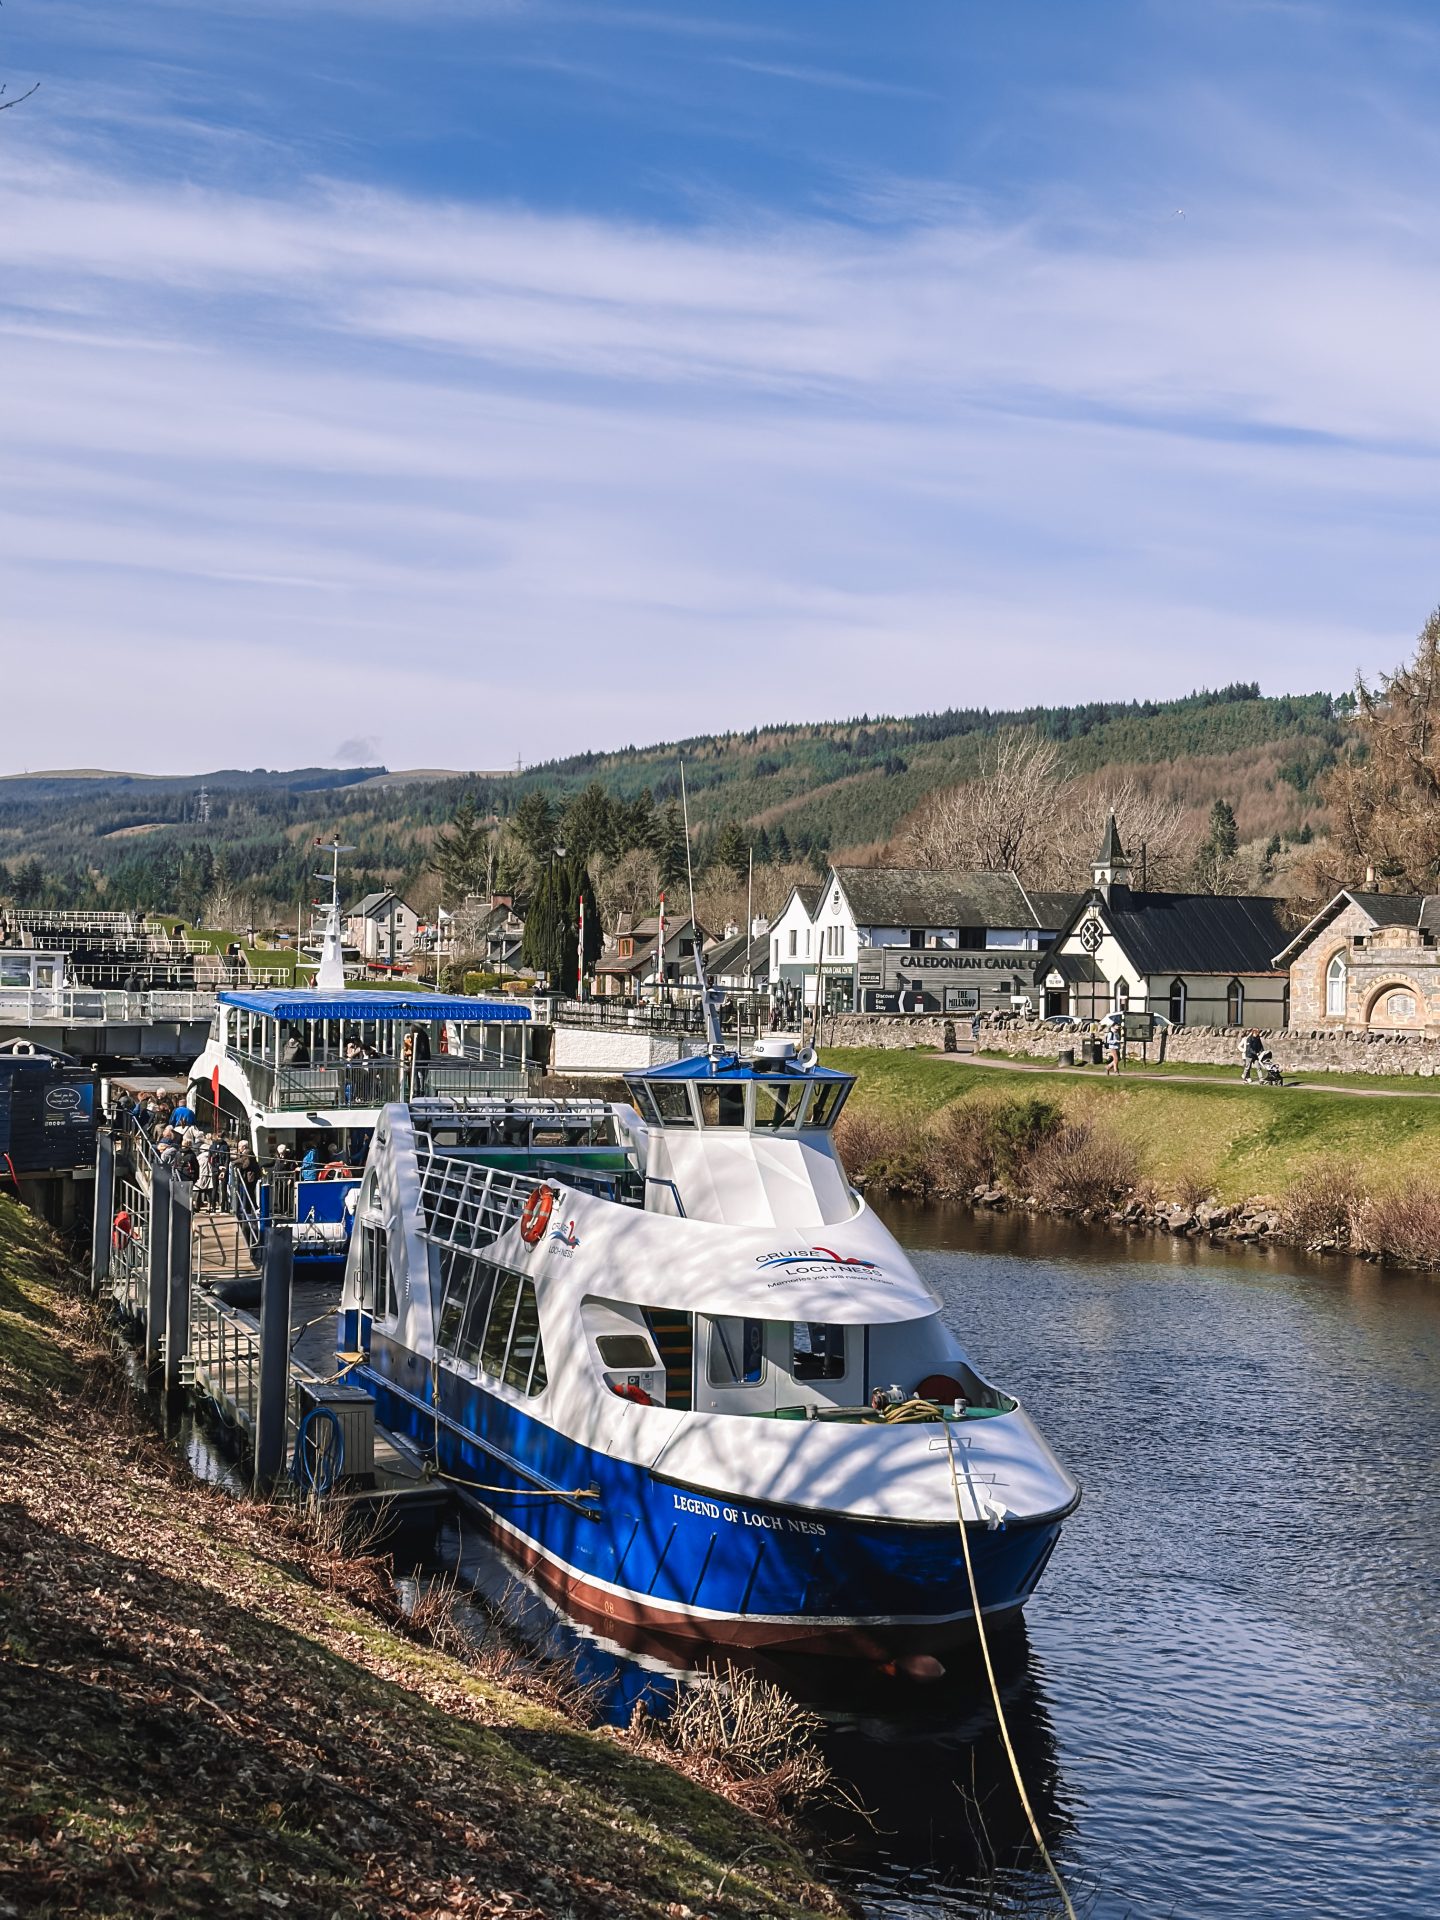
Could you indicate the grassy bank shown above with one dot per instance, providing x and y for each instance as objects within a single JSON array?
[
  {"x": 204, "y": 1711},
  {"x": 1240, "y": 1141}
]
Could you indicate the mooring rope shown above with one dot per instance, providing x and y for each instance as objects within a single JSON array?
[{"x": 1053, "y": 1870}]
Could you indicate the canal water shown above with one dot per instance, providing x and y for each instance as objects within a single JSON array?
[{"x": 1226, "y": 1696}]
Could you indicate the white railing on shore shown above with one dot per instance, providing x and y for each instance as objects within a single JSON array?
[{"x": 50, "y": 1007}]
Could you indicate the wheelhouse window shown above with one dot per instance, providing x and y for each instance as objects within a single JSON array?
[
  {"x": 826, "y": 1101},
  {"x": 1335, "y": 979},
  {"x": 1235, "y": 1004},
  {"x": 1177, "y": 1003},
  {"x": 737, "y": 1352},
  {"x": 672, "y": 1102},
  {"x": 817, "y": 1351},
  {"x": 721, "y": 1104},
  {"x": 778, "y": 1103}
]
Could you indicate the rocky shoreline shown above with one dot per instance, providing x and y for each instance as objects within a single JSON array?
[{"x": 1251, "y": 1222}]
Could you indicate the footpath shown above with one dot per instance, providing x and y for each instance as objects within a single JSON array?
[{"x": 1006, "y": 1065}]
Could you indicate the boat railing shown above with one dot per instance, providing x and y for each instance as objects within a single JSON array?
[
  {"x": 372, "y": 1083},
  {"x": 466, "y": 1205},
  {"x": 129, "y": 1246},
  {"x": 624, "y": 1185}
]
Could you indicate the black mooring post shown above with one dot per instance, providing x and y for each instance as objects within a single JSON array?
[
  {"x": 157, "y": 1291},
  {"x": 177, "y": 1303},
  {"x": 104, "y": 1209},
  {"x": 272, "y": 1403}
]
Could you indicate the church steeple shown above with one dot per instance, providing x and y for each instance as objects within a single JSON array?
[{"x": 1111, "y": 866}]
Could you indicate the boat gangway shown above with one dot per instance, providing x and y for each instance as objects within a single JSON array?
[{"x": 164, "y": 1268}]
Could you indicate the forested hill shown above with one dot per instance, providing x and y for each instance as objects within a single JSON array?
[
  {"x": 850, "y": 783},
  {"x": 830, "y": 787}
]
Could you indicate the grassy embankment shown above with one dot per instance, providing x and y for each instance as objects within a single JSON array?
[
  {"x": 1241, "y": 1142},
  {"x": 205, "y": 1711}
]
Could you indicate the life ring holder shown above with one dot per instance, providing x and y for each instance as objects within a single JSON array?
[
  {"x": 536, "y": 1216},
  {"x": 333, "y": 1170}
]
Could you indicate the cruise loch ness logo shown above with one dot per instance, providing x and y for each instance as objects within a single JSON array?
[
  {"x": 813, "y": 1263},
  {"x": 565, "y": 1238}
]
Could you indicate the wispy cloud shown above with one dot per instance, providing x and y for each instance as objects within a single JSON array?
[{"x": 449, "y": 467}]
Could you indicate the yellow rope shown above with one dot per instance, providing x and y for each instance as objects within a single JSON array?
[{"x": 994, "y": 1686}]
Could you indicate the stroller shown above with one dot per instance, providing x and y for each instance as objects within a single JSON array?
[{"x": 1270, "y": 1071}]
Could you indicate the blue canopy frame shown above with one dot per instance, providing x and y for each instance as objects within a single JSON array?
[{"x": 303, "y": 1004}]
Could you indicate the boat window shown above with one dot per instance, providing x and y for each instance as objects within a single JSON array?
[
  {"x": 737, "y": 1352},
  {"x": 626, "y": 1352},
  {"x": 722, "y": 1106},
  {"x": 828, "y": 1099},
  {"x": 377, "y": 1289},
  {"x": 672, "y": 1103},
  {"x": 643, "y": 1099},
  {"x": 524, "y": 1341},
  {"x": 818, "y": 1351},
  {"x": 477, "y": 1312},
  {"x": 497, "y": 1333},
  {"x": 778, "y": 1102},
  {"x": 455, "y": 1276}
]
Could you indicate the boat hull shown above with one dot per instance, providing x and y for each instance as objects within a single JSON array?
[{"x": 653, "y": 1554}]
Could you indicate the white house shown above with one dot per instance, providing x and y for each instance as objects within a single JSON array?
[
  {"x": 792, "y": 961},
  {"x": 922, "y": 939},
  {"x": 382, "y": 928}
]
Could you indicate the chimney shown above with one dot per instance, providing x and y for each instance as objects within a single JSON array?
[{"x": 1369, "y": 876}]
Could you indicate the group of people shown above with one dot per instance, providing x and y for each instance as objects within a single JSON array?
[{"x": 203, "y": 1160}]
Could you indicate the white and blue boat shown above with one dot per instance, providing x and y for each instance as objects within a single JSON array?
[{"x": 659, "y": 1347}]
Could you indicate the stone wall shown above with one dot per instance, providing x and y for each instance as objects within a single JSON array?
[{"x": 1309, "y": 1050}]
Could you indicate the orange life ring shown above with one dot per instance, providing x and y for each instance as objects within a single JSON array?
[
  {"x": 333, "y": 1169},
  {"x": 628, "y": 1390},
  {"x": 536, "y": 1217}
]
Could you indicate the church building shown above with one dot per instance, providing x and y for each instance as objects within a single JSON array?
[{"x": 1200, "y": 959}]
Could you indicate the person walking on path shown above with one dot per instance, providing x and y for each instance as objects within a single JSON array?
[
  {"x": 975, "y": 1030},
  {"x": 1250, "y": 1050}
]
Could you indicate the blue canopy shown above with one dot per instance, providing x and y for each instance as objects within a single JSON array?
[
  {"x": 729, "y": 1066},
  {"x": 310, "y": 1003}
]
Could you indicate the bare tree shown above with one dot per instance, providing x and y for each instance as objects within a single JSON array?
[
  {"x": 996, "y": 822},
  {"x": 1147, "y": 818}
]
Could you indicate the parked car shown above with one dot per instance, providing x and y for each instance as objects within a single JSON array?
[{"x": 1064, "y": 1022}]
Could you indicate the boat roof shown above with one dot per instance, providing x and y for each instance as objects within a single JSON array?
[
  {"x": 729, "y": 1066},
  {"x": 315, "y": 1003}
]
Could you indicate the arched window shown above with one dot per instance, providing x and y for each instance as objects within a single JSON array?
[
  {"x": 1177, "y": 1003},
  {"x": 1235, "y": 1005},
  {"x": 1120, "y": 999},
  {"x": 1335, "y": 986}
]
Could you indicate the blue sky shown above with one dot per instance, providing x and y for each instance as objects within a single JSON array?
[{"x": 443, "y": 382}]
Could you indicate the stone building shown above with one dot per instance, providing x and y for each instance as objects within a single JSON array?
[{"x": 1367, "y": 963}]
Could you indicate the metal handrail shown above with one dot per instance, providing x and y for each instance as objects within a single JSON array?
[
  {"x": 464, "y": 1205},
  {"x": 44, "y": 1006}
]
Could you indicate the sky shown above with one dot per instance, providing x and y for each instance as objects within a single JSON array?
[{"x": 456, "y": 382}]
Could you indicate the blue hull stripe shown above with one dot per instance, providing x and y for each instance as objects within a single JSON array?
[{"x": 665, "y": 1553}]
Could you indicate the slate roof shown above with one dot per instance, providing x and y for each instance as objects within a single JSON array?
[
  {"x": 1196, "y": 932},
  {"x": 373, "y": 901},
  {"x": 934, "y": 897},
  {"x": 1053, "y": 910},
  {"x": 729, "y": 956},
  {"x": 1384, "y": 909}
]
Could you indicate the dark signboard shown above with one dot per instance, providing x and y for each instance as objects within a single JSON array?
[{"x": 48, "y": 1113}]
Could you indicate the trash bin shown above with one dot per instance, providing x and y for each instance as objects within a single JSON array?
[
  {"x": 1067, "y": 1056},
  {"x": 1095, "y": 1052}
]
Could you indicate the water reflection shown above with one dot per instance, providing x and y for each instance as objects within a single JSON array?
[{"x": 1227, "y": 1698}]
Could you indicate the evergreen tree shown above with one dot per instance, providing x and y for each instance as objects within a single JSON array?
[
  {"x": 670, "y": 847},
  {"x": 732, "y": 850},
  {"x": 27, "y": 883},
  {"x": 461, "y": 857},
  {"x": 552, "y": 926},
  {"x": 589, "y": 824},
  {"x": 534, "y": 826},
  {"x": 780, "y": 845},
  {"x": 764, "y": 853},
  {"x": 1224, "y": 835}
]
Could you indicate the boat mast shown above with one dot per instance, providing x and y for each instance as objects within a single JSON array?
[
  {"x": 330, "y": 977},
  {"x": 707, "y": 1004}
]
